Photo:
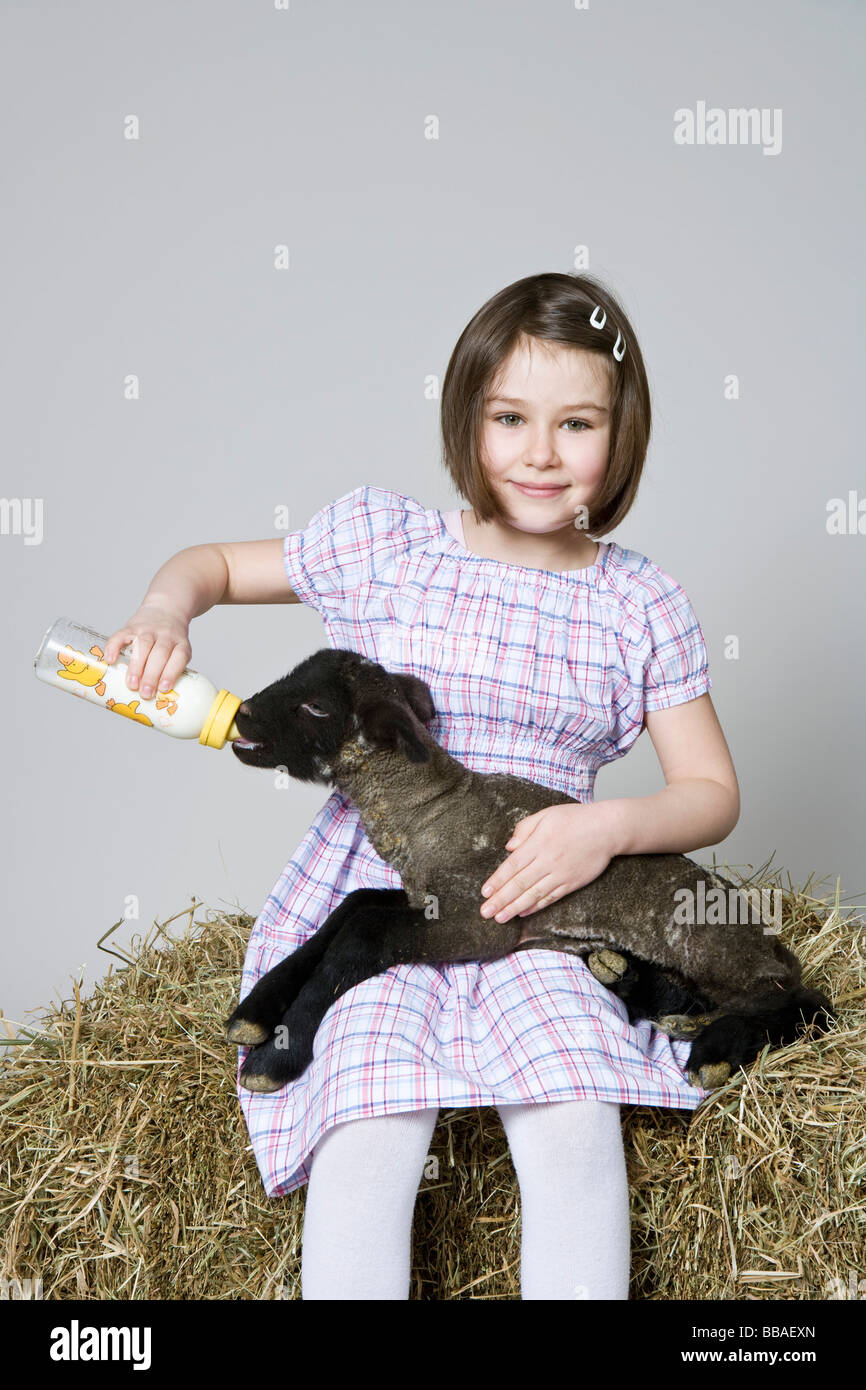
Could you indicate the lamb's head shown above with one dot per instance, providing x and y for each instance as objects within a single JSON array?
[{"x": 331, "y": 703}]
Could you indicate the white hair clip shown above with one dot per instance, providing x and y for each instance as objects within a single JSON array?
[{"x": 596, "y": 323}]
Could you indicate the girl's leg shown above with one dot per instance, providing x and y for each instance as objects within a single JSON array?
[
  {"x": 357, "y": 1241},
  {"x": 570, "y": 1164}
]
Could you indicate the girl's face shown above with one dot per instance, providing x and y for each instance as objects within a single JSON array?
[{"x": 546, "y": 424}]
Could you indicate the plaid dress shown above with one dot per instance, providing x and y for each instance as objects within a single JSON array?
[{"x": 535, "y": 672}]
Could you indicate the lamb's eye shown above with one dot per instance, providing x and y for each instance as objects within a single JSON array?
[{"x": 315, "y": 710}]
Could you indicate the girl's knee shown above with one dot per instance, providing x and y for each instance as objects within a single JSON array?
[
  {"x": 372, "y": 1143},
  {"x": 564, "y": 1132}
]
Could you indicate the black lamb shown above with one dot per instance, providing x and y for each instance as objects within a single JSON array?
[{"x": 341, "y": 719}]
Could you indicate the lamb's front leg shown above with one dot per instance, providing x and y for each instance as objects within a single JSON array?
[
  {"x": 257, "y": 1015},
  {"x": 367, "y": 945}
]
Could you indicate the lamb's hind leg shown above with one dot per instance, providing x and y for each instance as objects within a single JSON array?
[
  {"x": 647, "y": 990},
  {"x": 735, "y": 1039},
  {"x": 671, "y": 1004},
  {"x": 256, "y": 1017}
]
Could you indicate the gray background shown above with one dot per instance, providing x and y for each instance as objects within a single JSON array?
[{"x": 261, "y": 388}]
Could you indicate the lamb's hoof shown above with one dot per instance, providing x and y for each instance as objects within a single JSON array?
[
  {"x": 251, "y": 1081},
  {"x": 608, "y": 967},
  {"x": 682, "y": 1026},
  {"x": 244, "y": 1032},
  {"x": 277, "y": 1062},
  {"x": 711, "y": 1075}
]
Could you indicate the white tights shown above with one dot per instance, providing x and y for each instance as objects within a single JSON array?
[{"x": 570, "y": 1164}]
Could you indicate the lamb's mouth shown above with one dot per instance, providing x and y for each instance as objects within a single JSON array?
[
  {"x": 246, "y": 750},
  {"x": 245, "y": 743}
]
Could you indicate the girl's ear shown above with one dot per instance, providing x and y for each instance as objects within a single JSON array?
[
  {"x": 417, "y": 694},
  {"x": 389, "y": 727}
]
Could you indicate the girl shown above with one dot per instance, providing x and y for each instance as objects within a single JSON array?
[{"x": 547, "y": 653}]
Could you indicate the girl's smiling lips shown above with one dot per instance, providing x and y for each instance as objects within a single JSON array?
[{"x": 531, "y": 491}]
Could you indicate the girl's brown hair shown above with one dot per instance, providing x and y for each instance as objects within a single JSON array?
[{"x": 557, "y": 307}]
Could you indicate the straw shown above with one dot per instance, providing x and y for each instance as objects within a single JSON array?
[{"x": 126, "y": 1170}]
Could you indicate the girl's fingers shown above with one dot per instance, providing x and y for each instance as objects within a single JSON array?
[
  {"x": 141, "y": 645},
  {"x": 528, "y": 901},
  {"x": 544, "y": 902},
  {"x": 502, "y": 874},
  {"x": 174, "y": 666},
  {"x": 113, "y": 645},
  {"x": 509, "y": 891},
  {"x": 154, "y": 663},
  {"x": 159, "y": 653}
]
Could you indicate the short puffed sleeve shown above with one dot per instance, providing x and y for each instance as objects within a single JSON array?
[
  {"x": 676, "y": 668},
  {"x": 328, "y": 559}
]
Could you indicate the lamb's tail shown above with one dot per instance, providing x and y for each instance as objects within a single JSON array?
[
  {"x": 786, "y": 1014},
  {"x": 810, "y": 1006}
]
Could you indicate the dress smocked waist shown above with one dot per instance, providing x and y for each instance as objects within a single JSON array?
[{"x": 485, "y": 749}]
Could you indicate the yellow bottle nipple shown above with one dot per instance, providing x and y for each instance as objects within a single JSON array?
[{"x": 219, "y": 726}]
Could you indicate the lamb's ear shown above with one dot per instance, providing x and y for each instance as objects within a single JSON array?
[
  {"x": 417, "y": 694},
  {"x": 387, "y": 726}
]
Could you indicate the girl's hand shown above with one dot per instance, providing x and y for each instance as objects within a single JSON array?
[
  {"x": 553, "y": 852},
  {"x": 160, "y": 648}
]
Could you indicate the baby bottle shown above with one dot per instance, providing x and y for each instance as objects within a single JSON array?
[{"x": 71, "y": 658}]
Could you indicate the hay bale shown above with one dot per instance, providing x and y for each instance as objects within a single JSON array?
[{"x": 126, "y": 1171}]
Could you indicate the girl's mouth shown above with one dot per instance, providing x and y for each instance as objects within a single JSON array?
[{"x": 539, "y": 491}]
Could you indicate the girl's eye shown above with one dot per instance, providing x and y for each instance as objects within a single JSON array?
[{"x": 583, "y": 423}]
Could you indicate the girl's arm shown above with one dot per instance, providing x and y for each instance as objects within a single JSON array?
[
  {"x": 700, "y": 804},
  {"x": 201, "y": 576},
  {"x": 562, "y": 848},
  {"x": 186, "y": 586}
]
